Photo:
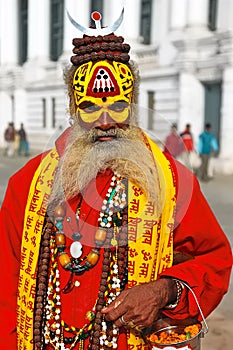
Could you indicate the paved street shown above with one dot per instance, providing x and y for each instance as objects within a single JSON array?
[{"x": 219, "y": 193}]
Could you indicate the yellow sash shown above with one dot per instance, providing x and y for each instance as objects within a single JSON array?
[
  {"x": 150, "y": 238},
  {"x": 33, "y": 223}
]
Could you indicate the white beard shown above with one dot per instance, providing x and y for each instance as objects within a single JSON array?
[{"x": 84, "y": 158}]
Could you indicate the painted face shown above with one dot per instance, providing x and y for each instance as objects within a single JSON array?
[{"x": 103, "y": 87}]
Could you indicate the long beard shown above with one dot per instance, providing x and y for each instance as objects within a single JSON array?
[{"x": 85, "y": 157}]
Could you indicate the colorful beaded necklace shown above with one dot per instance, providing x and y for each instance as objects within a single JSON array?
[
  {"x": 55, "y": 326},
  {"x": 115, "y": 198},
  {"x": 112, "y": 220}
]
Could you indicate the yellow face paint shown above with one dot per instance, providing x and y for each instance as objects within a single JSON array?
[
  {"x": 103, "y": 87},
  {"x": 118, "y": 111}
]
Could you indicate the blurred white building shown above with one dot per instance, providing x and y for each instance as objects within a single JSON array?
[{"x": 184, "y": 49}]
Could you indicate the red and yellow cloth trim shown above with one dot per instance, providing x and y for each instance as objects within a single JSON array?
[{"x": 150, "y": 238}]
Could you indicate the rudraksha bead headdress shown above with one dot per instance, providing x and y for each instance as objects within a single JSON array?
[
  {"x": 99, "y": 43},
  {"x": 101, "y": 64}
]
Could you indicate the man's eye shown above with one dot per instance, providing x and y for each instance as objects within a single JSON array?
[
  {"x": 118, "y": 106},
  {"x": 89, "y": 107}
]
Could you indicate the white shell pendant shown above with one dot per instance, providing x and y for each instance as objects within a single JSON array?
[{"x": 76, "y": 250}]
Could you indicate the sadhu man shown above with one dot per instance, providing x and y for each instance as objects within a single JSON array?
[{"x": 102, "y": 235}]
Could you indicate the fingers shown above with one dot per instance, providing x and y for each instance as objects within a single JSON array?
[
  {"x": 128, "y": 324},
  {"x": 114, "y": 313},
  {"x": 118, "y": 312},
  {"x": 116, "y": 309},
  {"x": 117, "y": 303},
  {"x": 137, "y": 307},
  {"x": 122, "y": 321},
  {"x": 121, "y": 314}
]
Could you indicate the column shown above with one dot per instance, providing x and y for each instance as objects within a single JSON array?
[
  {"x": 6, "y": 111},
  {"x": 143, "y": 107},
  {"x": 191, "y": 103},
  {"x": 178, "y": 14},
  {"x": 80, "y": 12},
  {"x": 111, "y": 12},
  {"x": 130, "y": 27},
  {"x": 38, "y": 30},
  {"x": 8, "y": 24},
  {"x": 226, "y": 117},
  {"x": 198, "y": 13},
  {"x": 225, "y": 15},
  {"x": 160, "y": 20}
]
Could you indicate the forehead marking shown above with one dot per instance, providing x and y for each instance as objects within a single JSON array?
[{"x": 102, "y": 82}]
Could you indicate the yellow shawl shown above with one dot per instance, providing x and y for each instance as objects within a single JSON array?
[{"x": 150, "y": 238}]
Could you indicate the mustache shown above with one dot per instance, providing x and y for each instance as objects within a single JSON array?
[{"x": 111, "y": 132}]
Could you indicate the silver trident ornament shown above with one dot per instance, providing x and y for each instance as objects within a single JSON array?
[{"x": 96, "y": 16}]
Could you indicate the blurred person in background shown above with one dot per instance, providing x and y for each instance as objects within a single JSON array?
[
  {"x": 22, "y": 142},
  {"x": 173, "y": 143},
  {"x": 207, "y": 147},
  {"x": 187, "y": 139},
  {"x": 9, "y": 137}
]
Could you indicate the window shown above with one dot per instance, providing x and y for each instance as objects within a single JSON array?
[
  {"x": 23, "y": 31},
  {"x": 151, "y": 107},
  {"x": 146, "y": 9},
  {"x": 53, "y": 112},
  {"x": 56, "y": 28},
  {"x": 96, "y": 5},
  {"x": 13, "y": 108},
  {"x": 212, "y": 14},
  {"x": 44, "y": 112},
  {"x": 213, "y": 98}
]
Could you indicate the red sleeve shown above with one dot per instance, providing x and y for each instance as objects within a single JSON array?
[
  {"x": 11, "y": 223},
  {"x": 198, "y": 233}
]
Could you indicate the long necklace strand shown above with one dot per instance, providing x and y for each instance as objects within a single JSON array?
[
  {"x": 113, "y": 280},
  {"x": 42, "y": 282},
  {"x": 103, "y": 335}
]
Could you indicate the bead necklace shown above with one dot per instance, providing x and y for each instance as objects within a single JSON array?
[
  {"x": 42, "y": 278},
  {"x": 115, "y": 198},
  {"x": 54, "y": 325},
  {"x": 113, "y": 279},
  {"x": 111, "y": 284},
  {"x": 104, "y": 336}
]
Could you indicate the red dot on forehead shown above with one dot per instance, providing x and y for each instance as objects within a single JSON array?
[
  {"x": 96, "y": 16},
  {"x": 123, "y": 70}
]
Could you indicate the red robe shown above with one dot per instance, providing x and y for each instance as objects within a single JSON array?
[{"x": 197, "y": 233}]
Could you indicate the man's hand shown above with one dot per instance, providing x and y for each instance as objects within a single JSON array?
[{"x": 140, "y": 306}]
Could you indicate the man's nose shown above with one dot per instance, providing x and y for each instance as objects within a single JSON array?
[{"x": 105, "y": 120}]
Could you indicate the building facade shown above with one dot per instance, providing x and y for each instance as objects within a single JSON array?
[{"x": 184, "y": 49}]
